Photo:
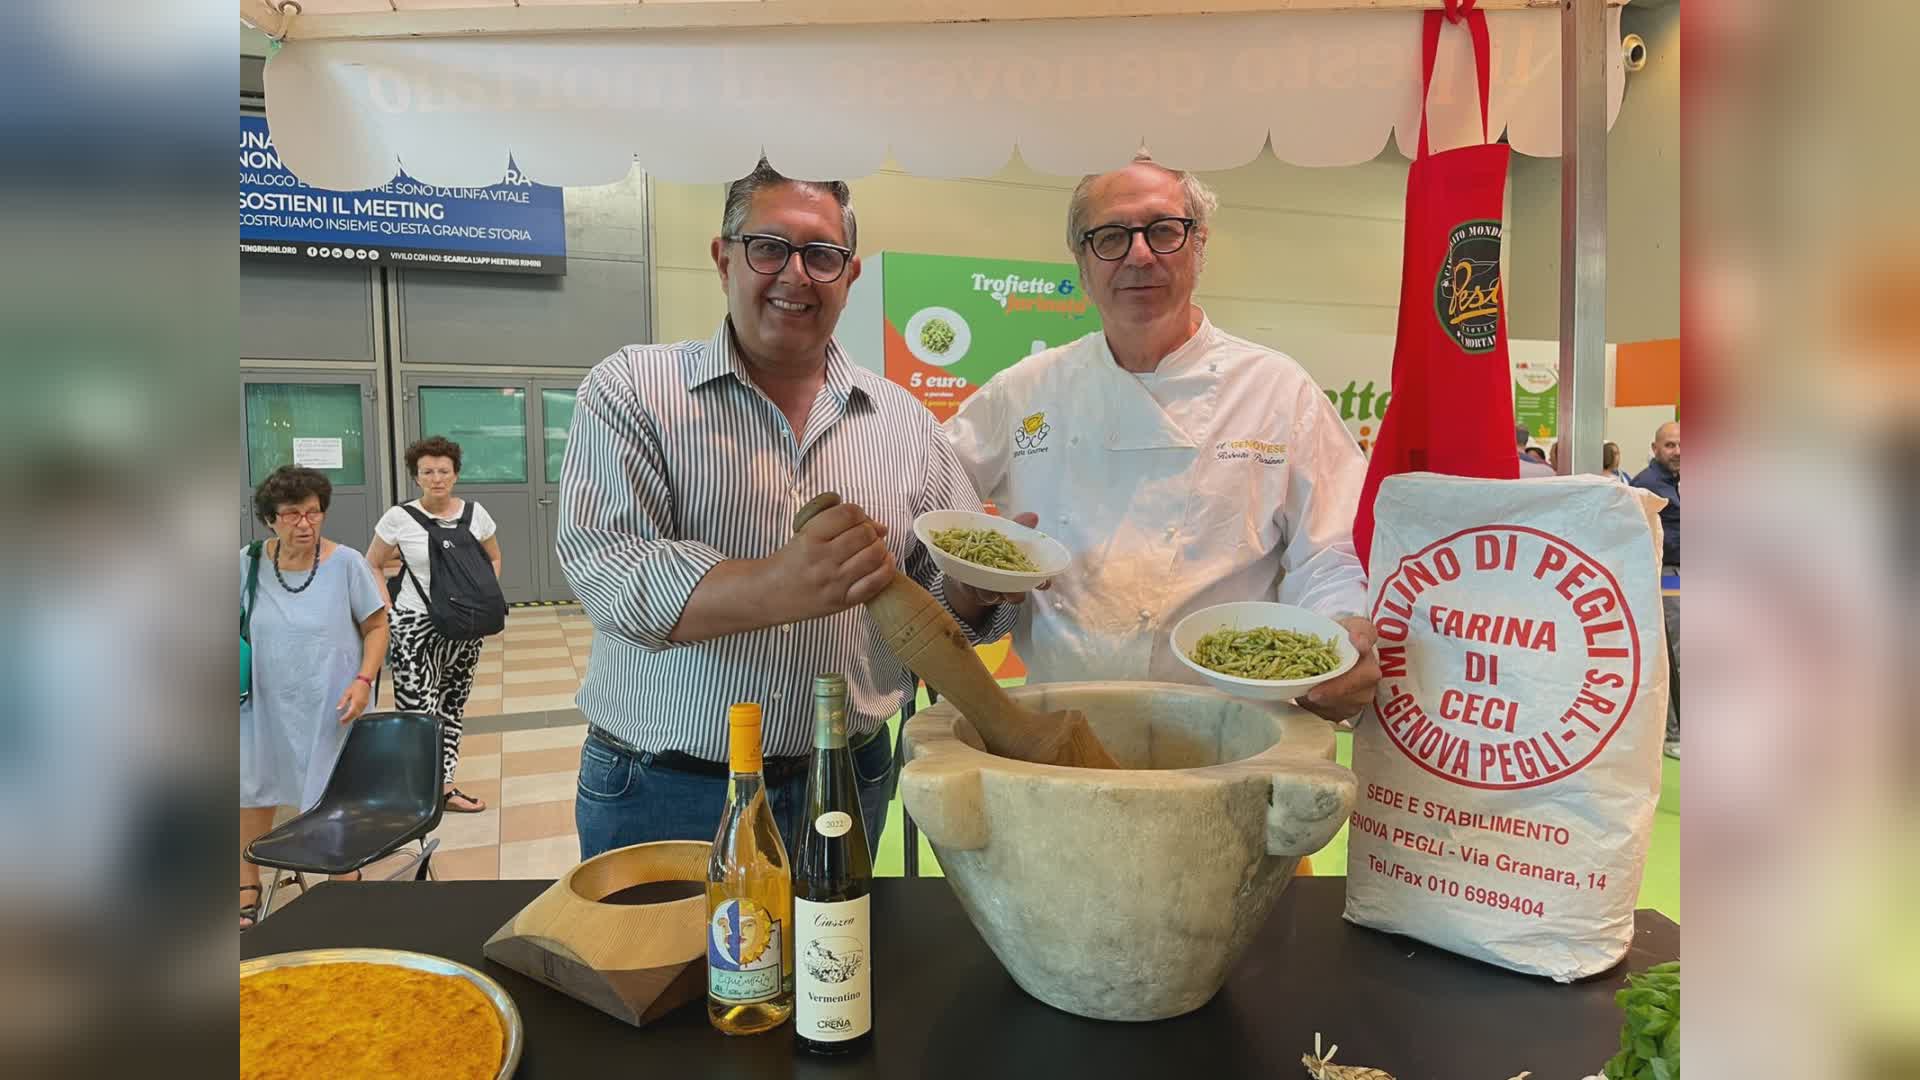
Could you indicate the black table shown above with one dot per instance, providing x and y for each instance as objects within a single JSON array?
[{"x": 944, "y": 1007}]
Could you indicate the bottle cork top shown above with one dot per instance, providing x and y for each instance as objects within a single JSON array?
[
  {"x": 829, "y": 711},
  {"x": 743, "y": 742}
]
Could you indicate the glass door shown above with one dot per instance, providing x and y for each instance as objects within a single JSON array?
[
  {"x": 322, "y": 420},
  {"x": 556, "y": 416},
  {"x": 490, "y": 418}
]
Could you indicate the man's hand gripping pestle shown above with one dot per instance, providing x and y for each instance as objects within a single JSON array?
[{"x": 928, "y": 641}]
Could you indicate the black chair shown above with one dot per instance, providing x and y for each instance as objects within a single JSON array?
[{"x": 384, "y": 793}]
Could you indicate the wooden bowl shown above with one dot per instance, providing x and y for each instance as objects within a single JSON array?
[{"x": 635, "y": 962}]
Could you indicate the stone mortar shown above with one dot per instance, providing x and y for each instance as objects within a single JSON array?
[{"x": 1130, "y": 894}]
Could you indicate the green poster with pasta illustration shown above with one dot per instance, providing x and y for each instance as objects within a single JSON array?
[{"x": 952, "y": 323}]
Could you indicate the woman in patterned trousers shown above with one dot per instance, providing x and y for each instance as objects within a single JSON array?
[{"x": 430, "y": 672}]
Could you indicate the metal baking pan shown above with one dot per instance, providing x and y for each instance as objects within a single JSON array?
[{"x": 438, "y": 965}]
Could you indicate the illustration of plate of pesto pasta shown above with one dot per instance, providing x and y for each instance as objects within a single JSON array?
[
  {"x": 937, "y": 336},
  {"x": 988, "y": 552},
  {"x": 1261, "y": 650}
]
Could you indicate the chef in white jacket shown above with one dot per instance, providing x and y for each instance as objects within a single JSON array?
[{"x": 1182, "y": 466}]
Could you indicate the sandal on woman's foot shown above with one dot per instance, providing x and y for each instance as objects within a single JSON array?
[
  {"x": 473, "y": 805},
  {"x": 250, "y": 913}
]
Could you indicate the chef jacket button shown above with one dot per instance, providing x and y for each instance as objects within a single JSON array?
[
  {"x": 787, "y": 628},
  {"x": 776, "y": 697}
]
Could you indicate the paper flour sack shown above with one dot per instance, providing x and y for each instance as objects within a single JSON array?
[{"x": 1510, "y": 765}]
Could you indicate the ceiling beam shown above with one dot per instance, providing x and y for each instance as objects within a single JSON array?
[{"x": 739, "y": 14}]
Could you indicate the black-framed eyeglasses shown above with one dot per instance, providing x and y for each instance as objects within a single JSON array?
[
  {"x": 768, "y": 254},
  {"x": 1110, "y": 243}
]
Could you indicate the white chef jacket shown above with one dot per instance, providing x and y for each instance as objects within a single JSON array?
[{"x": 1223, "y": 475}]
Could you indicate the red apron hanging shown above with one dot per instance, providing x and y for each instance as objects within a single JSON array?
[{"x": 1452, "y": 409}]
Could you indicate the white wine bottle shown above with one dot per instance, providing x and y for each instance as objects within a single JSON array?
[
  {"x": 749, "y": 898},
  {"x": 832, "y": 891}
]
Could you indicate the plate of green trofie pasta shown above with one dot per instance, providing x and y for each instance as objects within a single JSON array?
[
  {"x": 1265, "y": 651},
  {"x": 988, "y": 552}
]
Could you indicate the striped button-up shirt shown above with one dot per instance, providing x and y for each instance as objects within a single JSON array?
[{"x": 676, "y": 462}]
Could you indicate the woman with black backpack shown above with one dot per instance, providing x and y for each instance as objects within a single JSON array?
[{"x": 449, "y": 598}]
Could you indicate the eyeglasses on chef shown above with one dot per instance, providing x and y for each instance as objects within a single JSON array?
[
  {"x": 1110, "y": 243},
  {"x": 768, "y": 254}
]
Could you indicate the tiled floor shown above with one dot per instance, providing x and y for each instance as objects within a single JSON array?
[
  {"x": 534, "y": 666},
  {"x": 527, "y": 828}
]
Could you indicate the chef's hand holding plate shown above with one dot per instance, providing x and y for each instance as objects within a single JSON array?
[
  {"x": 1342, "y": 698},
  {"x": 986, "y": 598}
]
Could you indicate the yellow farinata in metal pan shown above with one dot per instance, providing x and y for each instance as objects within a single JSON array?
[
  {"x": 987, "y": 547},
  {"x": 366, "y": 1019},
  {"x": 1266, "y": 653}
]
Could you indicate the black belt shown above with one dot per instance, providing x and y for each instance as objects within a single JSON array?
[{"x": 773, "y": 768}]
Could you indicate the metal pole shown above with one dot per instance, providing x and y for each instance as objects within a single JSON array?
[
  {"x": 1583, "y": 233},
  {"x": 909, "y": 832}
]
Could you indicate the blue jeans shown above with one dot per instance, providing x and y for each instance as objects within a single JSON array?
[{"x": 625, "y": 798}]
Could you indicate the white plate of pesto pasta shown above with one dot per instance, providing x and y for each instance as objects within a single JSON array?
[
  {"x": 1264, "y": 651},
  {"x": 988, "y": 552},
  {"x": 937, "y": 336}
]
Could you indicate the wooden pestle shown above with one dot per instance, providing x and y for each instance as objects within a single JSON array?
[{"x": 930, "y": 642}]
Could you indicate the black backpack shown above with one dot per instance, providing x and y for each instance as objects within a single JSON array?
[{"x": 464, "y": 602}]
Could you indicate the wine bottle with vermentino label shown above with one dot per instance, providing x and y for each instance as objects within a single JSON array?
[{"x": 832, "y": 891}]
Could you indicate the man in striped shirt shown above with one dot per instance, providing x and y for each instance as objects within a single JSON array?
[{"x": 684, "y": 467}]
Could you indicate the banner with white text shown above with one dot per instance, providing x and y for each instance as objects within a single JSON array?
[{"x": 515, "y": 227}]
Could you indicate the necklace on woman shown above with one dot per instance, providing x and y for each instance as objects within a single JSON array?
[{"x": 311, "y": 574}]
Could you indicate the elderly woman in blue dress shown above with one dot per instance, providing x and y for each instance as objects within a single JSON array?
[{"x": 318, "y": 628}]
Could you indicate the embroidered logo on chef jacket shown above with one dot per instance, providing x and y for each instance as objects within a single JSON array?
[
  {"x": 1029, "y": 436},
  {"x": 1467, "y": 296},
  {"x": 1266, "y": 453}
]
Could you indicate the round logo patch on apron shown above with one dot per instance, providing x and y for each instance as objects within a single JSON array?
[{"x": 1467, "y": 295}]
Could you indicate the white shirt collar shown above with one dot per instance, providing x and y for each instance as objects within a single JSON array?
[{"x": 1182, "y": 358}]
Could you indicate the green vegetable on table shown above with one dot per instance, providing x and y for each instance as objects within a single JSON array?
[
  {"x": 1266, "y": 653},
  {"x": 937, "y": 335},
  {"x": 987, "y": 547},
  {"x": 1650, "y": 1038}
]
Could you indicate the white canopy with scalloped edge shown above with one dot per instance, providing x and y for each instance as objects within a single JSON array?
[{"x": 578, "y": 93}]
